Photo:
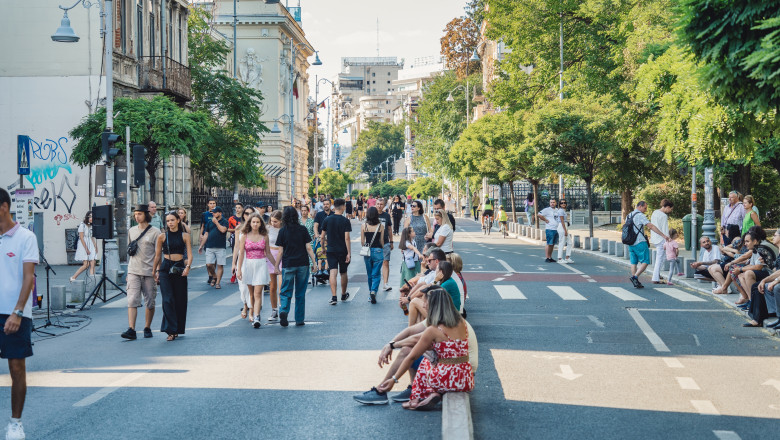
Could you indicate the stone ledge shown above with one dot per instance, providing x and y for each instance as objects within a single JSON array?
[{"x": 456, "y": 423}]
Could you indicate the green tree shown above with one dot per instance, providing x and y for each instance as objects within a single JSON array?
[
  {"x": 373, "y": 147},
  {"x": 737, "y": 43},
  {"x": 231, "y": 152},
  {"x": 390, "y": 188},
  {"x": 331, "y": 182},
  {"x": 425, "y": 187},
  {"x": 573, "y": 138},
  {"x": 159, "y": 124}
]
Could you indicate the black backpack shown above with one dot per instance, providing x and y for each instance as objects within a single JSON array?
[{"x": 630, "y": 231}]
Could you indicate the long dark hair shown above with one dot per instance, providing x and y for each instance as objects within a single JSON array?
[
  {"x": 405, "y": 233},
  {"x": 419, "y": 206},
  {"x": 175, "y": 215},
  {"x": 290, "y": 216},
  {"x": 87, "y": 216},
  {"x": 445, "y": 267},
  {"x": 372, "y": 216}
]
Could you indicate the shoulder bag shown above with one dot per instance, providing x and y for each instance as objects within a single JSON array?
[
  {"x": 132, "y": 247},
  {"x": 365, "y": 251}
]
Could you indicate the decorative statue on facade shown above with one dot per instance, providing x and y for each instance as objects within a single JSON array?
[{"x": 250, "y": 69}]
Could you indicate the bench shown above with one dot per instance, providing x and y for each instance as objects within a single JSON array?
[{"x": 456, "y": 423}]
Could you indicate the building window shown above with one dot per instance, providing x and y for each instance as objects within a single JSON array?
[
  {"x": 180, "y": 34},
  {"x": 373, "y": 82},
  {"x": 373, "y": 73},
  {"x": 151, "y": 36},
  {"x": 140, "y": 30},
  {"x": 388, "y": 81},
  {"x": 122, "y": 24}
]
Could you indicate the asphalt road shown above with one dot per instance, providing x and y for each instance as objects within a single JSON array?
[{"x": 566, "y": 351}]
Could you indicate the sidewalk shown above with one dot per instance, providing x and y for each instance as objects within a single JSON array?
[{"x": 702, "y": 286}]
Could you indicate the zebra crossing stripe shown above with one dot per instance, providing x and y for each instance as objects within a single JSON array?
[
  {"x": 567, "y": 293},
  {"x": 231, "y": 300},
  {"x": 121, "y": 303},
  {"x": 680, "y": 295},
  {"x": 623, "y": 294},
  {"x": 509, "y": 292}
]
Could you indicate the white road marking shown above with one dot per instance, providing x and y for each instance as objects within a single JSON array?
[
  {"x": 600, "y": 267},
  {"x": 726, "y": 435},
  {"x": 651, "y": 335},
  {"x": 687, "y": 383},
  {"x": 500, "y": 279},
  {"x": 623, "y": 294},
  {"x": 592, "y": 280},
  {"x": 774, "y": 383},
  {"x": 121, "y": 303},
  {"x": 506, "y": 266},
  {"x": 509, "y": 292},
  {"x": 103, "y": 392},
  {"x": 231, "y": 300},
  {"x": 568, "y": 373},
  {"x": 229, "y": 321},
  {"x": 673, "y": 363},
  {"x": 705, "y": 407},
  {"x": 352, "y": 293},
  {"x": 567, "y": 293},
  {"x": 680, "y": 295},
  {"x": 596, "y": 321},
  {"x": 577, "y": 271},
  {"x": 687, "y": 310}
]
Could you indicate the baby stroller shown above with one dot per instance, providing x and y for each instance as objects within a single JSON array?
[{"x": 320, "y": 274}]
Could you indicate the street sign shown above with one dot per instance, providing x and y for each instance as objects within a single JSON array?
[{"x": 23, "y": 155}]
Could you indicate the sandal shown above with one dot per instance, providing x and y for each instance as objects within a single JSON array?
[
  {"x": 172, "y": 337},
  {"x": 243, "y": 313},
  {"x": 429, "y": 403},
  {"x": 741, "y": 301},
  {"x": 411, "y": 404},
  {"x": 217, "y": 286}
]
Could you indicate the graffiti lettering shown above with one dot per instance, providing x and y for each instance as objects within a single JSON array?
[
  {"x": 66, "y": 195},
  {"x": 47, "y": 159}
]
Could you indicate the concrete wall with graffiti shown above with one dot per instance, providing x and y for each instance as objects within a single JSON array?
[{"x": 46, "y": 109}]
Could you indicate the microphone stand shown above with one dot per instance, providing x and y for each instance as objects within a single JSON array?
[{"x": 48, "y": 298}]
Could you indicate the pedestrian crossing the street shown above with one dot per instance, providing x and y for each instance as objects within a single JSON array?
[
  {"x": 567, "y": 293},
  {"x": 122, "y": 302}
]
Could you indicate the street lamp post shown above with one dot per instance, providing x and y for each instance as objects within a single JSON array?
[
  {"x": 316, "y": 128},
  {"x": 708, "y": 227},
  {"x": 291, "y": 115}
]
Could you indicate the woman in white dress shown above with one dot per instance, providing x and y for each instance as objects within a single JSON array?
[{"x": 86, "y": 247}]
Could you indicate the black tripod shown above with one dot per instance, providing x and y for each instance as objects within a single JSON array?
[
  {"x": 95, "y": 294},
  {"x": 48, "y": 299}
]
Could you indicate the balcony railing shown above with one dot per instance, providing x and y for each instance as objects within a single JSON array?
[{"x": 175, "y": 81}]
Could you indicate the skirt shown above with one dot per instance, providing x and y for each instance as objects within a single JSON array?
[
  {"x": 407, "y": 274},
  {"x": 276, "y": 254},
  {"x": 81, "y": 253},
  {"x": 255, "y": 272}
]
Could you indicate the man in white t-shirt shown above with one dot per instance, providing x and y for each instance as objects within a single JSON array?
[
  {"x": 708, "y": 256},
  {"x": 660, "y": 219},
  {"x": 639, "y": 252},
  {"x": 18, "y": 257},
  {"x": 552, "y": 216}
]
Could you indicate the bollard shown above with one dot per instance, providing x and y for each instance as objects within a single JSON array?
[
  {"x": 112, "y": 274},
  {"x": 604, "y": 245},
  {"x": 587, "y": 243},
  {"x": 577, "y": 241},
  {"x": 77, "y": 291},
  {"x": 619, "y": 249},
  {"x": 57, "y": 297},
  {"x": 611, "y": 247},
  {"x": 594, "y": 244},
  {"x": 689, "y": 271},
  {"x": 626, "y": 252}
]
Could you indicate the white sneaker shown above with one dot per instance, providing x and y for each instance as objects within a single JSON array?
[
  {"x": 274, "y": 315},
  {"x": 14, "y": 431},
  {"x": 388, "y": 288},
  {"x": 568, "y": 261},
  {"x": 256, "y": 322}
]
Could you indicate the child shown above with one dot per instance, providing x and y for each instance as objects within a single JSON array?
[
  {"x": 502, "y": 219},
  {"x": 672, "y": 248}
]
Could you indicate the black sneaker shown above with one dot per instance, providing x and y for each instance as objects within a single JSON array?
[
  {"x": 147, "y": 332},
  {"x": 371, "y": 397},
  {"x": 333, "y": 301},
  {"x": 300, "y": 324},
  {"x": 283, "y": 319},
  {"x": 372, "y": 298},
  {"x": 129, "y": 334},
  {"x": 344, "y": 296},
  {"x": 403, "y": 396},
  {"x": 210, "y": 279},
  {"x": 639, "y": 285},
  {"x": 634, "y": 281},
  {"x": 549, "y": 260}
]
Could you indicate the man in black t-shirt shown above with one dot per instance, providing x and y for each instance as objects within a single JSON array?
[
  {"x": 295, "y": 245},
  {"x": 386, "y": 221},
  {"x": 339, "y": 254}
]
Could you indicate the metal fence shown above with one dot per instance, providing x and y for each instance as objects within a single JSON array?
[
  {"x": 224, "y": 198},
  {"x": 576, "y": 196}
]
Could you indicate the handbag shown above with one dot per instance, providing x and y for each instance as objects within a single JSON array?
[
  {"x": 175, "y": 269},
  {"x": 132, "y": 247},
  {"x": 365, "y": 251},
  {"x": 410, "y": 259}
]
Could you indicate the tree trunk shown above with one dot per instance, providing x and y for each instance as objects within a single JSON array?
[
  {"x": 512, "y": 200},
  {"x": 588, "y": 189},
  {"x": 740, "y": 180},
  {"x": 626, "y": 201}
]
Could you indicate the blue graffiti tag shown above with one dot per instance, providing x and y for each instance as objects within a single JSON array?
[{"x": 48, "y": 157}]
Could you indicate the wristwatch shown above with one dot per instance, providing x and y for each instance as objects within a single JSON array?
[
  {"x": 394, "y": 379},
  {"x": 392, "y": 345},
  {"x": 19, "y": 313}
]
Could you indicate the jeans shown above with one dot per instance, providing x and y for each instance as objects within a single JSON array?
[
  {"x": 294, "y": 278},
  {"x": 374, "y": 268}
]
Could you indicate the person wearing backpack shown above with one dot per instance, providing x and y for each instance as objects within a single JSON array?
[{"x": 634, "y": 237}]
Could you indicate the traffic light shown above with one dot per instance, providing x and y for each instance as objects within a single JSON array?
[
  {"x": 108, "y": 139},
  {"x": 139, "y": 165}
]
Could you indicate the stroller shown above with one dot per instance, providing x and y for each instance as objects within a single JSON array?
[{"x": 320, "y": 275}]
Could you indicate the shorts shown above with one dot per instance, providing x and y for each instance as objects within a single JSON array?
[
  {"x": 16, "y": 345},
  {"x": 552, "y": 236},
  {"x": 215, "y": 256},
  {"x": 639, "y": 253},
  {"x": 138, "y": 287},
  {"x": 337, "y": 261},
  {"x": 386, "y": 252},
  {"x": 487, "y": 212}
]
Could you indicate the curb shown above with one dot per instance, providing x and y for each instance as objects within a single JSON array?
[
  {"x": 687, "y": 282},
  {"x": 456, "y": 422}
]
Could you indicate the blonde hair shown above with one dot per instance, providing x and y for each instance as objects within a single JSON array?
[
  {"x": 441, "y": 309},
  {"x": 445, "y": 219},
  {"x": 748, "y": 198},
  {"x": 457, "y": 262}
]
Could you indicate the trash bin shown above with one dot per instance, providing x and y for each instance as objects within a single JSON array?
[
  {"x": 608, "y": 205},
  {"x": 687, "y": 230}
]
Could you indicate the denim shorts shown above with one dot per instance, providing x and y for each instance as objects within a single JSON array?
[
  {"x": 552, "y": 237},
  {"x": 386, "y": 251},
  {"x": 16, "y": 345}
]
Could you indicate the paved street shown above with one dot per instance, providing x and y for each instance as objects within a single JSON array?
[{"x": 563, "y": 350}]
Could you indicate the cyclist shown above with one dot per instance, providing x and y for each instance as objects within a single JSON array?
[
  {"x": 487, "y": 210},
  {"x": 502, "y": 219}
]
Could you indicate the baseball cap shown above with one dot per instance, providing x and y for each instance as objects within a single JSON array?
[{"x": 217, "y": 209}]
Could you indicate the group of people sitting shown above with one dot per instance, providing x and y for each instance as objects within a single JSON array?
[{"x": 438, "y": 348}]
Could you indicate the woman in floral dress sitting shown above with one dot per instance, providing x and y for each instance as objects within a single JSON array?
[{"x": 445, "y": 367}]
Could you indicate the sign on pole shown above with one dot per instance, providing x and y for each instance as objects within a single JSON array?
[
  {"x": 23, "y": 155},
  {"x": 24, "y": 207}
]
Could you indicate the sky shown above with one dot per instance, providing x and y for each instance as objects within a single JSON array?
[{"x": 348, "y": 28}]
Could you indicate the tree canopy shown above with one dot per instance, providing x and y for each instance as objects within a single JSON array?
[
  {"x": 373, "y": 147},
  {"x": 331, "y": 182}
]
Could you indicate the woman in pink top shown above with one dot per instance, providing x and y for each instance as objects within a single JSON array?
[
  {"x": 371, "y": 201},
  {"x": 253, "y": 261}
]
